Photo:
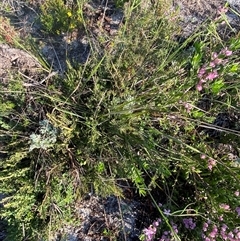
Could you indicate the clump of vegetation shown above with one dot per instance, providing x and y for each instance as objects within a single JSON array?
[
  {"x": 58, "y": 17},
  {"x": 147, "y": 109},
  {"x": 7, "y": 33}
]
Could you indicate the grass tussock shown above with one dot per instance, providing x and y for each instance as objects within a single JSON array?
[{"x": 146, "y": 108}]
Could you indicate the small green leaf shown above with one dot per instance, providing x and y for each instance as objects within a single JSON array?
[
  {"x": 234, "y": 68},
  {"x": 197, "y": 114},
  {"x": 100, "y": 167},
  {"x": 217, "y": 86},
  {"x": 235, "y": 44}
]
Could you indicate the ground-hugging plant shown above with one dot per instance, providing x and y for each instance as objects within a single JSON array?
[{"x": 130, "y": 112}]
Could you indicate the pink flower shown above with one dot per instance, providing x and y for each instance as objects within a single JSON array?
[
  {"x": 203, "y": 156},
  {"x": 224, "y": 206},
  {"x": 205, "y": 227},
  {"x": 212, "y": 75},
  {"x": 201, "y": 81},
  {"x": 225, "y": 62},
  {"x": 224, "y": 227},
  {"x": 150, "y": 233},
  {"x": 199, "y": 87},
  {"x": 175, "y": 228},
  {"x": 230, "y": 235},
  {"x": 211, "y": 163},
  {"x": 215, "y": 229},
  {"x": 187, "y": 106},
  {"x": 224, "y": 236},
  {"x": 221, "y": 218},
  {"x": 212, "y": 64},
  {"x": 226, "y": 52},
  {"x": 237, "y": 235},
  {"x": 214, "y": 55},
  {"x": 236, "y": 193},
  {"x": 157, "y": 222},
  {"x": 217, "y": 61},
  {"x": 236, "y": 230},
  {"x": 201, "y": 72},
  {"x": 214, "y": 232}
]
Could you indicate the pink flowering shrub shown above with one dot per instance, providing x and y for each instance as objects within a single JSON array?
[
  {"x": 152, "y": 233},
  {"x": 182, "y": 226},
  {"x": 210, "y": 180},
  {"x": 212, "y": 70},
  {"x": 210, "y": 231}
]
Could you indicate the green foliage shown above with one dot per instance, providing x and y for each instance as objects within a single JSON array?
[{"x": 58, "y": 17}]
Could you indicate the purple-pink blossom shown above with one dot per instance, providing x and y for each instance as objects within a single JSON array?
[
  {"x": 203, "y": 156},
  {"x": 211, "y": 163},
  {"x": 209, "y": 71},
  {"x": 189, "y": 223},
  {"x": 224, "y": 227},
  {"x": 214, "y": 55},
  {"x": 215, "y": 62},
  {"x": 199, "y": 87},
  {"x": 205, "y": 227},
  {"x": 223, "y": 235},
  {"x": 212, "y": 75},
  {"x": 201, "y": 72},
  {"x": 224, "y": 206},
  {"x": 175, "y": 228},
  {"x": 218, "y": 61},
  {"x": 221, "y": 218},
  {"x": 238, "y": 211},
  {"x": 230, "y": 235},
  {"x": 188, "y": 107},
  {"x": 165, "y": 236},
  {"x": 212, "y": 64},
  {"x": 226, "y": 52},
  {"x": 149, "y": 233},
  {"x": 157, "y": 222},
  {"x": 237, "y": 233},
  {"x": 214, "y": 232}
]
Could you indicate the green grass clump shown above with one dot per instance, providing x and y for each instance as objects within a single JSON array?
[{"x": 131, "y": 112}]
